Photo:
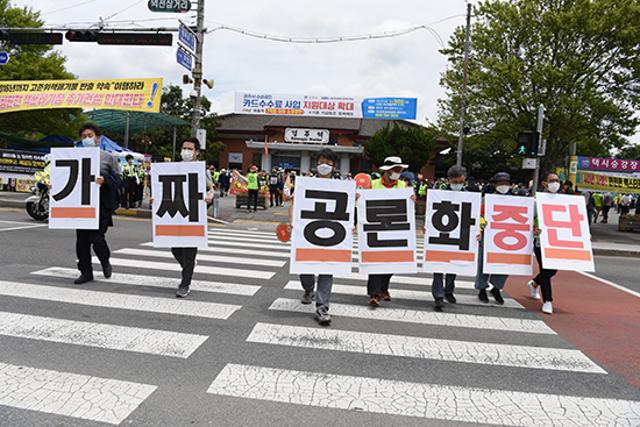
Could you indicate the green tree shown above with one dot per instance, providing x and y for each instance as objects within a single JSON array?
[
  {"x": 579, "y": 58},
  {"x": 34, "y": 62},
  {"x": 413, "y": 143}
]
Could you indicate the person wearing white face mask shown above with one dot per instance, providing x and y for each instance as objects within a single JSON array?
[
  {"x": 551, "y": 184},
  {"x": 501, "y": 184}
]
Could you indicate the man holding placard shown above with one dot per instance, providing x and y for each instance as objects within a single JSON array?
[
  {"x": 179, "y": 209},
  {"x": 85, "y": 182}
]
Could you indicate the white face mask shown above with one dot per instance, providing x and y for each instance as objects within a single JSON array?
[
  {"x": 553, "y": 187},
  {"x": 88, "y": 142},
  {"x": 394, "y": 176},
  {"x": 456, "y": 187},
  {"x": 502, "y": 189},
  {"x": 187, "y": 155},
  {"x": 324, "y": 169}
]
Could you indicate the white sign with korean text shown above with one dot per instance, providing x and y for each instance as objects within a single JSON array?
[
  {"x": 307, "y": 136},
  {"x": 387, "y": 231},
  {"x": 565, "y": 239},
  {"x": 508, "y": 235},
  {"x": 179, "y": 211},
  {"x": 322, "y": 241},
  {"x": 75, "y": 195},
  {"x": 452, "y": 224}
]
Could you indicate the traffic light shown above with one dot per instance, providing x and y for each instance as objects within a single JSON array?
[
  {"x": 82, "y": 36},
  {"x": 527, "y": 145},
  {"x": 30, "y": 37}
]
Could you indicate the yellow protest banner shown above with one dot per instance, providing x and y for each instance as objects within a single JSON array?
[
  {"x": 612, "y": 183},
  {"x": 116, "y": 94}
]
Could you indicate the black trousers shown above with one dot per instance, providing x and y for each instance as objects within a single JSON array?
[
  {"x": 543, "y": 279},
  {"x": 605, "y": 213},
  {"x": 378, "y": 283},
  {"x": 130, "y": 187},
  {"x": 253, "y": 198},
  {"x": 85, "y": 240},
  {"x": 186, "y": 257},
  {"x": 274, "y": 195}
]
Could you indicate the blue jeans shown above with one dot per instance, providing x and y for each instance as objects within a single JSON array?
[{"x": 323, "y": 292}]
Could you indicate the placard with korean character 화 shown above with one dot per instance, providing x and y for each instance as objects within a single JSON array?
[
  {"x": 565, "y": 239},
  {"x": 75, "y": 194},
  {"x": 179, "y": 211},
  {"x": 452, "y": 224},
  {"x": 508, "y": 235},
  {"x": 387, "y": 231},
  {"x": 323, "y": 211}
]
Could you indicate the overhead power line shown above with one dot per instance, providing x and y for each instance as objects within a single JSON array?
[{"x": 68, "y": 7}]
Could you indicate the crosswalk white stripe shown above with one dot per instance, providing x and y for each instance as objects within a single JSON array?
[
  {"x": 228, "y": 230},
  {"x": 422, "y": 279},
  {"x": 424, "y": 348},
  {"x": 409, "y": 295},
  {"x": 271, "y": 237},
  {"x": 100, "y": 335},
  {"x": 121, "y": 301},
  {"x": 173, "y": 266},
  {"x": 215, "y": 238},
  {"x": 235, "y": 244},
  {"x": 73, "y": 395},
  {"x": 226, "y": 250},
  {"x": 430, "y": 401},
  {"x": 421, "y": 317},
  {"x": 165, "y": 253},
  {"x": 156, "y": 282}
]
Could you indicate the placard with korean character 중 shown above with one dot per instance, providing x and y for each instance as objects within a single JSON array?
[
  {"x": 508, "y": 235},
  {"x": 179, "y": 211},
  {"x": 452, "y": 224},
  {"x": 75, "y": 195},
  {"x": 565, "y": 239},
  {"x": 323, "y": 213},
  {"x": 387, "y": 231}
]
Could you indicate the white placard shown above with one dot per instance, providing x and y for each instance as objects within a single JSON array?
[
  {"x": 565, "y": 239},
  {"x": 508, "y": 235},
  {"x": 323, "y": 211},
  {"x": 179, "y": 211},
  {"x": 452, "y": 224},
  {"x": 75, "y": 196},
  {"x": 308, "y": 136},
  {"x": 387, "y": 231}
]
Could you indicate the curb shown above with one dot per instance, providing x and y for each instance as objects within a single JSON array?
[{"x": 616, "y": 252}]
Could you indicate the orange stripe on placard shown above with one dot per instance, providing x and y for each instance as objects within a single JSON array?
[
  {"x": 323, "y": 255},
  {"x": 444, "y": 256},
  {"x": 180, "y": 230},
  {"x": 570, "y": 254},
  {"x": 73, "y": 212},
  {"x": 500, "y": 258},
  {"x": 387, "y": 256}
]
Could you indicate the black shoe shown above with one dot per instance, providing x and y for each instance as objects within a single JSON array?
[
  {"x": 107, "y": 270},
  {"x": 482, "y": 295},
  {"x": 439, "y": 304},
  {"x": 84, "y": 278},
  {"x": 496, "y": 294},
  {"x": 450, "y": 298},
  {"x": 182, "y": 292},
  {"x": 322, "y": 316}
]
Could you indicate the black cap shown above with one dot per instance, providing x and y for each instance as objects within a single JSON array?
[{"x": 501, "y": 176}]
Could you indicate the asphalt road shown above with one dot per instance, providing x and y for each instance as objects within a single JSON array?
[{"x": 242, "y": 351}]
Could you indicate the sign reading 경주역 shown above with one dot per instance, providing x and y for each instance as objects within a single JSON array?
[{"x": 309, "y": 136}]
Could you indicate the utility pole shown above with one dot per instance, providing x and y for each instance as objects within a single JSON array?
[
  {"x": 463, "y": 102},
  {"x": 536, "y": 173},
  {"x": 197, "y": 70}
]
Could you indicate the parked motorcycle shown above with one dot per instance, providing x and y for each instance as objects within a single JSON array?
[{"x": 37, "y": 205}]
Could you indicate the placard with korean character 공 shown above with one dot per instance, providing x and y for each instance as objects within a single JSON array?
[
  {"x": 179, "y": 211},
  {"x": 323, "y": 217},
  {"x": 75, "y": 194},
  {"x": 387, "y": 231},
  {"x": 508, "y": 235},
  {"x": 565, "y": 239},
  {"x": 452, "y": 224}
]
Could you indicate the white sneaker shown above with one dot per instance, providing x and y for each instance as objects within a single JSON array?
[
  {"x": 533, "y": 288},
  {"x": 547, "y": 308}
]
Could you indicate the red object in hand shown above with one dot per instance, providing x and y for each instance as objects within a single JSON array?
[
  {"x": 283, "y": 232},
  {"x": 363, "y": 180}
]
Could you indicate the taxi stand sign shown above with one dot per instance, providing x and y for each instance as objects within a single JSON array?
[
  {"x": 75, "y": 195},
  {"x": 179, "y": 211},
  {"x": 323, "y": 211}
]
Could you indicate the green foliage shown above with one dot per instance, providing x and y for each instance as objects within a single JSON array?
[
  {"x": 579, "y": 58},
  {"x": 414, "y": 144},
  {"x": 34, "y": 62}
]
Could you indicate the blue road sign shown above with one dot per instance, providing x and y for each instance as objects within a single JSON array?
[
  {"x": 184, "y": 58},
  {"x": 187, "y": 37},
  {"x": 4, "y": 58},
  {"x": 390, "y": 108}
]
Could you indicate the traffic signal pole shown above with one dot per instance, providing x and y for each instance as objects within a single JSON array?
[
  {"x": 197, "y": 70},
  {"x": 463, "y": 101},
  {"x": 536, "y": 173}
]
